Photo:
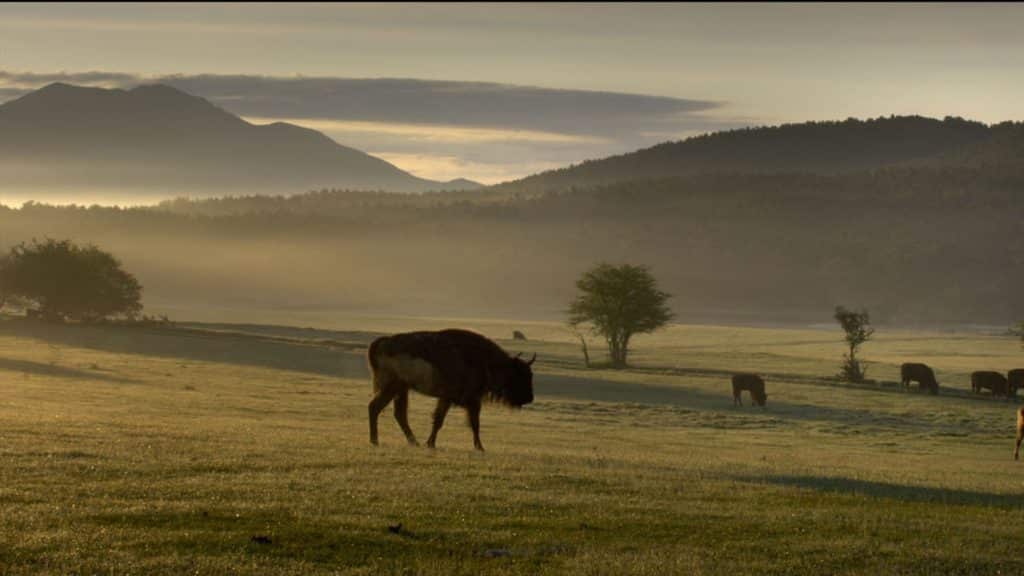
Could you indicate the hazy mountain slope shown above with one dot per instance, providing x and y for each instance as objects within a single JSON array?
[
  {"x": 161, "y": 140},
  {"x": 811, "y": 147},
  {"x": 918, "y": 245}
]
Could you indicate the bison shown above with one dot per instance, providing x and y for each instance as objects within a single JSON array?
[
  {"x": 751, "y": 383},
  {"x": 455, "y": 366},
  {"x": 993, "y": 381},
  {"x": 1020, "y": 433},
  {"x": 920, "y": 373},
  {"x": 1015, "y": 380},
  {"x": 517, "y": 335}
]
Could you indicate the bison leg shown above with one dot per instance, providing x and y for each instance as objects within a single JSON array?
[
  {"x": 1020, "y": 436},
  {"x": 474, "y": 423},
  {"x": 439, "y": 413},
  {"x": 402, "y": 415},
  {"x": 380, "y": 400}
]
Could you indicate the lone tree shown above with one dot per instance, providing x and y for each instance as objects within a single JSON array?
[
  {"x": 65, "y": 281},
  {"x": 857, "y": 326},
  {"x": 618, "y": 302}
]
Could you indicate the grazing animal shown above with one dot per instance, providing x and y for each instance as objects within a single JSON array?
[
  {"x": 920, "y": 373},
  {"x": 1015, "y": 380},
  {"x": 517, "y": 335},
  {"x": 455, "y": 366},
  {"x": 993, "y": 381},
  {"x": 1020, "y": 433},
  {"x": 751, "y": 383}
]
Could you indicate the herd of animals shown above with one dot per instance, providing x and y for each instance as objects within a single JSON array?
[{"x": 462, "y": 368}]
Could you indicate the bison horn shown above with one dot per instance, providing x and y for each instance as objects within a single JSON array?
[{"x": 532, "y": 359}]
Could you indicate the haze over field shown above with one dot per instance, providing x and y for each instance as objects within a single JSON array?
[{"x": 749, "y": 209}]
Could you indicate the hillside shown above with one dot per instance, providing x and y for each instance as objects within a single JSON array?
[
  {"x": 917, "y": 245},
  {"x": 158, "y": 140},
  {"x": 811, "y": 147},
  {"x": 925, "y": 241}
]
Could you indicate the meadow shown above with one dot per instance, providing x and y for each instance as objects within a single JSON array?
[{"x": 243, "y": 449}]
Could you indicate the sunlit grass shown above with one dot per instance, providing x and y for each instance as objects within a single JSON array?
[{"x": 134, "y": 451}]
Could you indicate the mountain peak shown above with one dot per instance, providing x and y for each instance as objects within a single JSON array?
[{"x": 157, "y": 136}]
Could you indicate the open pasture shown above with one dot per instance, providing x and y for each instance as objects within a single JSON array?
[{"x": 218, "y": 449}]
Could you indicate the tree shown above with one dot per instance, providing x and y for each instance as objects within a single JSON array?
[
  {"x": 66, "y": 281},
  {"x": 857, "y": 326},
  {"x": 618, "y": 302}
]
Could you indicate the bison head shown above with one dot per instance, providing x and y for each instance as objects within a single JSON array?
[
  {"x": 760, "y": 397},
  {"x": 513, "y": 382}
]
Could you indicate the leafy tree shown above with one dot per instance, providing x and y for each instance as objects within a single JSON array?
[
  {"x": 618, "y": 302},
  {"x": 857, "y": 326},
  {"x": 66, "y": 281}
]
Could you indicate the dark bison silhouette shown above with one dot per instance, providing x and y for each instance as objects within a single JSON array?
[
  {"x": 517, "y": 335},
  {"x": 455, "y": 366},
  {"x": 751, "y": 383},
  {"x": 993, "y": 381},
  {"x": 920, "y": 373},
  {"x": 1015, "y": 380}
]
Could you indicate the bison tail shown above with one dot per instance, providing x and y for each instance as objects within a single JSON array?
[{"x": 371, "y": 352}]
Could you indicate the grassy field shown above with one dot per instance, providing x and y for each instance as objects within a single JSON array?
[{"x": 227, "y": 449}]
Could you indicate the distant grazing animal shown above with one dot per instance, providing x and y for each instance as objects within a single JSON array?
[
  {"x": 751, "y": 383},
  {"x": 1015, "y": 380},
  {"x": 920, "y": 373},
  {"x": 993, "y": 381},
  {"x": 1020, "y": 433},
  {"x": 517, "y": 335},
  {"x": 455, "y": 366}
]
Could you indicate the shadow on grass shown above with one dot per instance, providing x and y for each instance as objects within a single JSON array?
[
  {"x": 40, "y": 369},
  {"x": 886, "y": 490},
  {"x": 321, "y": 357},
  {"x": 851, "y": 420},
  {"x": 311, "y": 351}
]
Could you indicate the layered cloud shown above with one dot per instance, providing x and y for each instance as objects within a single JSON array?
[{"x": 433, "y": 128}]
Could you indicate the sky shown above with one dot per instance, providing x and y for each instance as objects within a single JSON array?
[{"x": 494, "y": 92}]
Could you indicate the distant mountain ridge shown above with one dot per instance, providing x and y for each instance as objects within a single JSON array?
[
  {"x": 157, "y": 138},
  {"x": 823, "y": 148}
]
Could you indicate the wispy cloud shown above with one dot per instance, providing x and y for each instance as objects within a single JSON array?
[
  {"x": 502, "y": 130},
  {"x": 433, "y": 133}
]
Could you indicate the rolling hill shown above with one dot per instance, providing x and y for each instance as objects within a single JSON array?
[
  {"x": 824, "y": 148},
  {"x": 157, "y": 140}
]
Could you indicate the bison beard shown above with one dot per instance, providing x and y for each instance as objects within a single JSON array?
[{"x": 455, "y": 366}]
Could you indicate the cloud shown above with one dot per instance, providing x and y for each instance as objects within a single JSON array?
[
  {"x": 28, "y": 81},
  {"x": 433, "y": 133},
  {"x": 499, "y": 129},
  {"x": 444, "y": 168}
]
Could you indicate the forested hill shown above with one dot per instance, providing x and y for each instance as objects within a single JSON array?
[
  {"x": 811, "y": 147},
  {"x": 922, "y": 230},
  {"x": 916, "y": 244}
]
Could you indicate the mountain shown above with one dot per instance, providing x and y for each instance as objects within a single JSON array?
[
  {"x": 158, "y": 140},
  {"x": 824, "y": 148}
]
